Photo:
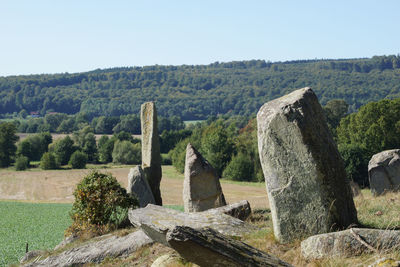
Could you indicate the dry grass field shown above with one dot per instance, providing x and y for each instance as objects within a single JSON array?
[{"x": 57, "y": 186}]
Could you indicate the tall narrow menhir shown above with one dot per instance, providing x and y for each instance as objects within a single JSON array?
[
  {"x": 151, "y": 157},
  {"x": 307, "y": 187}
]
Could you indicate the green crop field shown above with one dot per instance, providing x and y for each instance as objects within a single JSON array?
[{"x": 40, "y": 225}]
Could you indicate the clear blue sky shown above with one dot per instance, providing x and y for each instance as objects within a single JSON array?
[{"x": 53, "y": 36}]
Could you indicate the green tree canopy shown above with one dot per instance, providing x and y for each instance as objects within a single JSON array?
[{"x": 8, "y": 138}]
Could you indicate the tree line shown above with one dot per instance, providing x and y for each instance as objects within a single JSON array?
[
  {"x": 229, "y": 143},
  {"x": 196, "y": 92},
  {"x": 64, "y": 123}
]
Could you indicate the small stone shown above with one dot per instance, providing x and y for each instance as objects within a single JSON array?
[
  {"x": 384, "y": 172},
  {"x": 139, "y": 187},
  {"x": 347, "y": 243},
  {"x": 201, "y": 187}
]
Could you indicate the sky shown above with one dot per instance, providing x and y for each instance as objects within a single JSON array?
[{"x": 48, "y": 36}]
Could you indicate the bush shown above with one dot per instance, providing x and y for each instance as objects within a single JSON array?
[
  {"x": 165, "y": 159},
  {"x": 78, "y": 160},
  {"x": 21, "y": 163},
  {"x": 240, "y": 168},
  {"x": 356, "y": 159},
  {"x": 49, "y": 161},
  {"x": 101, "y": 204},
  {"x": 125, "y": 152}
]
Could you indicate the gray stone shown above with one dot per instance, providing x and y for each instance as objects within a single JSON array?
[
  {"x": 207, "y": 247},
  {"x": 97, "y": 251},
  {"x": 384, "y": 171},
  {"x": 305, "y": 177},
  {"x": 201, "y": 187},
  {"x": 240, "y": 210},
  {"x": 151, "y": 157},
  {"x": 139, "y": 187},
  {"x": 156, "y": 221},
  {"x": 350, "y": 243}
]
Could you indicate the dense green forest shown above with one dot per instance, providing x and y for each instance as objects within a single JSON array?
[{"x": 196, "y": 92}]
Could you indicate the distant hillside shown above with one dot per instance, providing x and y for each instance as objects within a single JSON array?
[{"x": 196, "y": 92}]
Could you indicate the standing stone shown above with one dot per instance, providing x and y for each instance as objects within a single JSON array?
[
  {"x": 384, "y": 171},
  {"x": 306, "y": 181},
  {"x": 139, "y": 187},
  {"x": 151, "y": 157},
  {"x": 201, "y": 187}
]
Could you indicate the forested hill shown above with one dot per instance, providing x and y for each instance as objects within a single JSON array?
[{"x": 196, "y": 92}]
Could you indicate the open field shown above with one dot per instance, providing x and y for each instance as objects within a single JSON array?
[
  {"x": 57, "y": 186},
  {"x": 40, "y": 225}
]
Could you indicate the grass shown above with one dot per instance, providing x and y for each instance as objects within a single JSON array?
[
  {"x": 40, "y": 225},
  {"x": 378, "y": 212}
]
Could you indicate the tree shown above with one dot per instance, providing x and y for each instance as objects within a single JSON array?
[
  {"x": 78, "y": 160},
  {"x": 356, "y": 160},
  {"x": 8, "y": 138},
  {"x": 216, "y": 147},
  {"x": 24, "y": 148},
  {"x": 21, "y": 163},
  {"x": 49, "y": 161},
  {"x": 105, "y": 148},
  {"x": 63, "y": 149},
  {"x": 90, "y": 148},
  {"x": 376, "y": 126},
  {"x": 240, "y": 168},
  {"x": 335, "y": 110},
  {"x": 125, "y": 152}
]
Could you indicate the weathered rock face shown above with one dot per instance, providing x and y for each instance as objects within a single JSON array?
[
  {"x": 201, "y": 187},
  {"x": 151, "y": 157},
  {"x": 350, "y": 243},
  {"x": 207, "y": 247},
  {"x": 139, "y": 187},
  {"x": 156, "y": 221},
  {"x": 97, "y": 251},
  {"x": 240, "y": 210},
  {"x": 306, "y": 182},
  {"x": 384, "y": 171}
]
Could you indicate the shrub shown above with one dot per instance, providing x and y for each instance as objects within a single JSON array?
[
  {"x": 101, "y": 204},
  {"x": 125, "y": 152},
  {"x": 240, "y": 168},
  {"x": 78, "y": 160},
  {"x": 49, "y": 161},
  {"x": 21, "y": 163},
  {"x": 356, "y": 159}
]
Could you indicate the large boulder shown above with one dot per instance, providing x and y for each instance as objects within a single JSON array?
[
  {"x": 207, "y": 247},
  {"x": 139, "y": 187},
  {"x": 384, "y": 171},
  {"x": 305, "y": 177},
  {"x": 109, "y": 246},
  {"x": 151, "y": 157},
  {"x": 201, "y": 187},
  {"x": 350, "y": 243},
  {"x": 156, "y": 221}
]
